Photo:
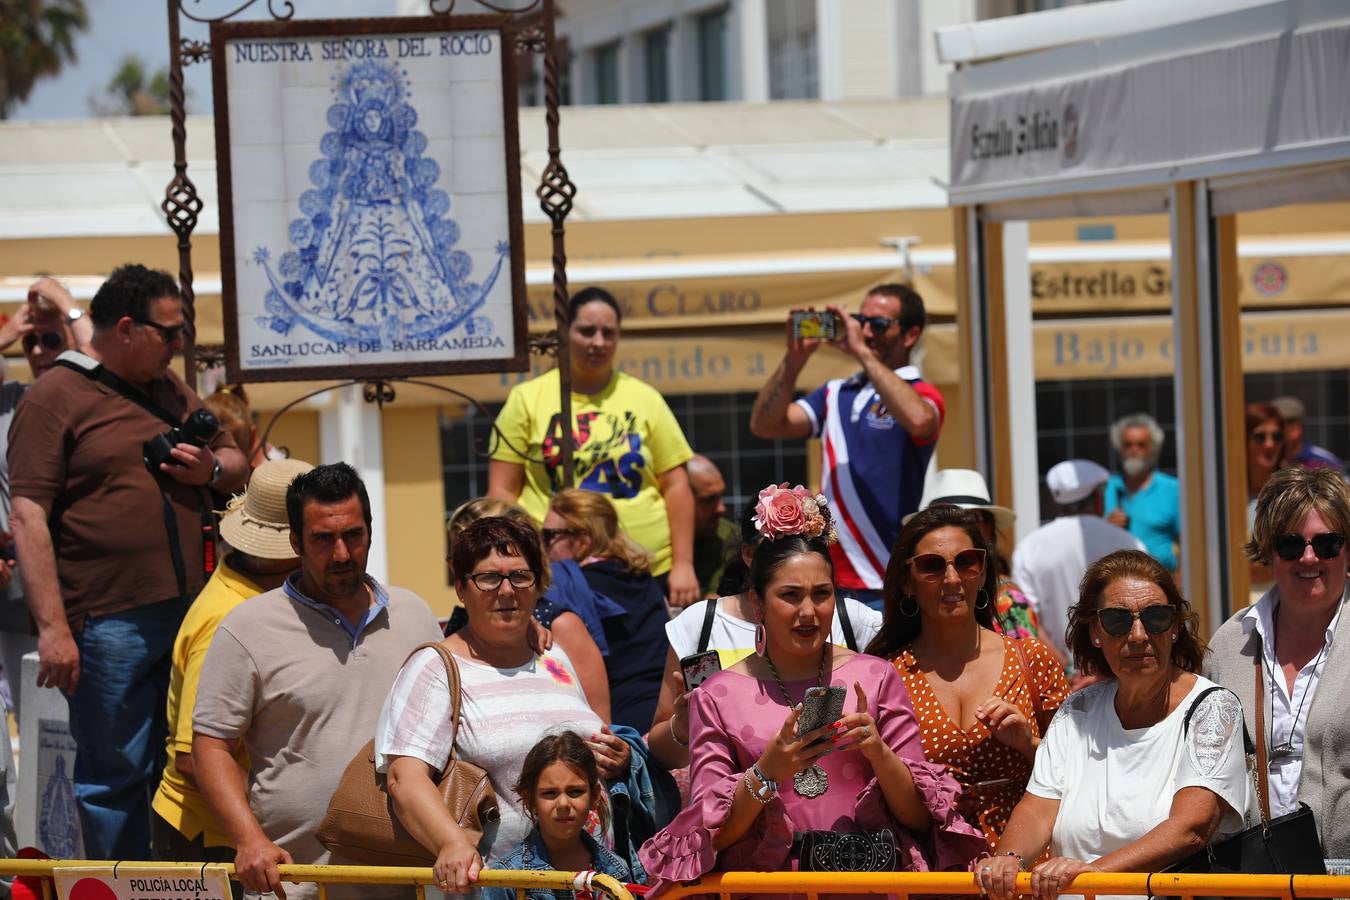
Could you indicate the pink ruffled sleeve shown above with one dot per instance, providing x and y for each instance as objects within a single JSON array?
[
  {"x": 684, "y": 849},
  {"x": 951, "y": 842}
]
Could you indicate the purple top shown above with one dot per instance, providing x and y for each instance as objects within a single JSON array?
[{"x": 732, "y": 718}]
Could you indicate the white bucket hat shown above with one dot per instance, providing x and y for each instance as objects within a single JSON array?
[
  {"x": 255, "y": 521},
  {"x": 964, "y": 488}
]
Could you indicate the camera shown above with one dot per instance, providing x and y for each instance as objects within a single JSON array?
[{"x": 199, "y": 428}]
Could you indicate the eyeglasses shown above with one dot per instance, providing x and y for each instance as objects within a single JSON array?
[
  {"x": 553, "y": 534},
  {"x": 1267, "y": 437},
  {"x": 169, "y": 333},
  {"x": 51, "y": 340},
  {"x": 1117, "y": 622},
  {"x": 490, "y": 581},
  {"x": 878, "y": 323},
  {"x": 1326, "y": 545},
  {"x": 969, "y": 564}
]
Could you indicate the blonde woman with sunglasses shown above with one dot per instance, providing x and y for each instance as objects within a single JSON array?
[
  {"x": 1296, "y": 632},
  {"x": 983, "y": 699},
  {"x": 1141, "y": 769}
]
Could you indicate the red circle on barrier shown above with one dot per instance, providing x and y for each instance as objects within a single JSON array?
[{"x": 91, "y": 889}]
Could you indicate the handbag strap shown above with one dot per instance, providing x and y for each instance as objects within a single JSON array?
[
  {"x": 1263, "y": 786},
  {"x": 1031, "y": 685},
  {"x": 452, "y": 674},
  {"x": 709, "y": 615}
]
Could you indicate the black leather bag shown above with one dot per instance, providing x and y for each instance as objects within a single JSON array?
[
  {"x": 845, "y": 851},
  {"x": 1285, "y": 845}
]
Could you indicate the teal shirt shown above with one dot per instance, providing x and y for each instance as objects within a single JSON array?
[{"x": 1155, "y": 514}]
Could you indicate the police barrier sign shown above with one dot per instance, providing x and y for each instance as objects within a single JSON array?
[{"x": 178, "y": 883}]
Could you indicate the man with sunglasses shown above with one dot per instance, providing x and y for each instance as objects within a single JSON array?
[
  {"x": 112, "y": 553},
  {"x": 1049, "y": 563},
  {"x": 50, "y": 323},
  {"x": 877, "y": 429}
]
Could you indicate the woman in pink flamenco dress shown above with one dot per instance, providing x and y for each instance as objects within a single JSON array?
[{"x": 754, "y": 783}]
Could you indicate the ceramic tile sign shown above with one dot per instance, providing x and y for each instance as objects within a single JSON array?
[
  {"x": 58, "y": 817},
  {"x": 370, "y": 197},
  {"x": 141, "y": 882}
]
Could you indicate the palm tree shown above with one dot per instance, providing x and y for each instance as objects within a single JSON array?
[
  {"x": 134, "y": 92},
  {"x": 37, "y": 37}
]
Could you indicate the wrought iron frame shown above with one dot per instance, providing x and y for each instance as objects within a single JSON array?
[{"x": 181, "y": 206}]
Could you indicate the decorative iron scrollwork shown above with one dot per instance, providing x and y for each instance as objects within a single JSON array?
[
  {"x": 190, "y": 51},
  {"x": 288, "y": 6},
  {"x": 209, "y": 356},
  {"x": 181, "y": 205},
  {"x": 378, "y": 391},
  {"x": 555, "y": 191},
  {"x": 531, "y": 40}
]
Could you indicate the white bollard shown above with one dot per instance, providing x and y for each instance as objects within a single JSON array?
[{"x": 46, "y": 816}]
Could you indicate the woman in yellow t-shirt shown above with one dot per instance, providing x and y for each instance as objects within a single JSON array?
[{"x": 628, "y": 445}]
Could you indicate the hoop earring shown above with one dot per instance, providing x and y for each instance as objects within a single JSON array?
[
  {"x": 905, "y": 612},
  {"x": 984, "y": 595},
  {"x": 761, "y": 639}
]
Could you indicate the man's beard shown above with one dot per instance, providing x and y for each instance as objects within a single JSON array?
[{"x": 1136, "y": 466}]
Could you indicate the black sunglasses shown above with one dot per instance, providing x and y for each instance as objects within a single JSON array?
[
  {"x": 552, "y": 534},
  {"x": 878, "y": 323},
  {"x": 1326, "y": 545},
  {"x": 51, "y": 340},
  {"x": 1117, "y": 622},
  {"x": 169, "y": 333},
  {"x": 1267, "y": 437}
]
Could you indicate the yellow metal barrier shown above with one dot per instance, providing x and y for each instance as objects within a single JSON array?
[
  {"x": 325, "y": 875},
  {"x": 903, "y": 884}
]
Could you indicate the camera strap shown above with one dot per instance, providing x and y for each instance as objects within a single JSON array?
[{"x": 92, "y": 369}]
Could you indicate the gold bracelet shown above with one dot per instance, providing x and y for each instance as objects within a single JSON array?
[{"x": 678, "y": 743}]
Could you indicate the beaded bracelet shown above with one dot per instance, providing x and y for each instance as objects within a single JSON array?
[
  {"x": 767, "y": 790},
  {"x": 1021, "y": 863}
]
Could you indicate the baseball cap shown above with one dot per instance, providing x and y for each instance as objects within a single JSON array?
[{"x": 1074, "y": 479}]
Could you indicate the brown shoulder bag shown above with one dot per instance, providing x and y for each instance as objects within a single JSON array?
[{"x": 360, "y": 823}]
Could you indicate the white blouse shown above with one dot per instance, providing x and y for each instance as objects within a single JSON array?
[{"x": 1116, "y": 784}]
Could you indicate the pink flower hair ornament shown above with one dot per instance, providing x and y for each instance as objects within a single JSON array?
[{"x": 782, "y": 512}]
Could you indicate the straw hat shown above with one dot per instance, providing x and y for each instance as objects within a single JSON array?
[
  {"x": 964, "y": 488},
  {"x": 255, "y": 521}
]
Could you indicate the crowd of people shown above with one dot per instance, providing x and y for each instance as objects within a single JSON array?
[{"x": 859, "y": 678}]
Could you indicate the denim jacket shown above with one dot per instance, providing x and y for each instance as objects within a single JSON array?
[{"x": 531, "y": 854}]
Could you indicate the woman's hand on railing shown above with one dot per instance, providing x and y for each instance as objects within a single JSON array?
[
  {"x": 1053, "y": 875},
  {"x": 457, "y": 865}
]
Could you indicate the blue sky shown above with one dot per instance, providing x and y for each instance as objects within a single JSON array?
[{"x": 118, "y": 28}]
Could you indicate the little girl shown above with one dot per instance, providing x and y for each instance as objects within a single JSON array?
[{"x": 561, "y": 789}]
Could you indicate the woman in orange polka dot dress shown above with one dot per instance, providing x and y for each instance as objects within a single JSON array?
[{"x": 983, "y": 700}]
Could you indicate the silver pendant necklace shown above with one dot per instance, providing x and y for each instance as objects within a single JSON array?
[
  {"x": 1286, "y": 747},
  {"x": 812, "y": 781}
]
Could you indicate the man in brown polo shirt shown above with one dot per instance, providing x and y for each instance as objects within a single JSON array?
[{"x": 111, "y": 553}]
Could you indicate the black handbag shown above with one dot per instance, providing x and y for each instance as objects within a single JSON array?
[
  {"x": 845, "y": 851},
  {"x": 1284, "y": 845}
]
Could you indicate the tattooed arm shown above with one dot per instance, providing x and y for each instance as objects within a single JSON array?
[{"x": 774, "y": 415}]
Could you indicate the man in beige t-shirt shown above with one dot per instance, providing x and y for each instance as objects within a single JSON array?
[{"x": 299, "y": 674}]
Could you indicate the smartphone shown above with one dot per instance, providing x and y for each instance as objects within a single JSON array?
[
  {"x": 813, "y": 324},
  {"x": 821, "y": 706},
  {"x": 699, "y": 667}
]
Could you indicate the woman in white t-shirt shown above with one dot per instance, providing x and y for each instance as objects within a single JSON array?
[
  {"x": 727, "y": 625},
  {"x": 1137, "y": 771}
]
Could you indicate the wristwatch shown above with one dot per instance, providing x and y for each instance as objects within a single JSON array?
[
  {"x": 75, "y": 315},
  {"x": 216, "y": 472}
]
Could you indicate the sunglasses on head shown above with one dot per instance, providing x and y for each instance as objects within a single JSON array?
[
  {"x": 1267, "y": 437},
  {"x": 552, "y": 534},
  {"x": 969, "y": 563},
  {"x": 878, "y": 323},
  {"x": 1117, "y": 622},
  {"x": 51, "y": 340},
  {"x": 1326, "y": 545}
]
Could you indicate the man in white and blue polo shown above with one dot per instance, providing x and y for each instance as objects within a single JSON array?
[{"x": 877, "y": 430}]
